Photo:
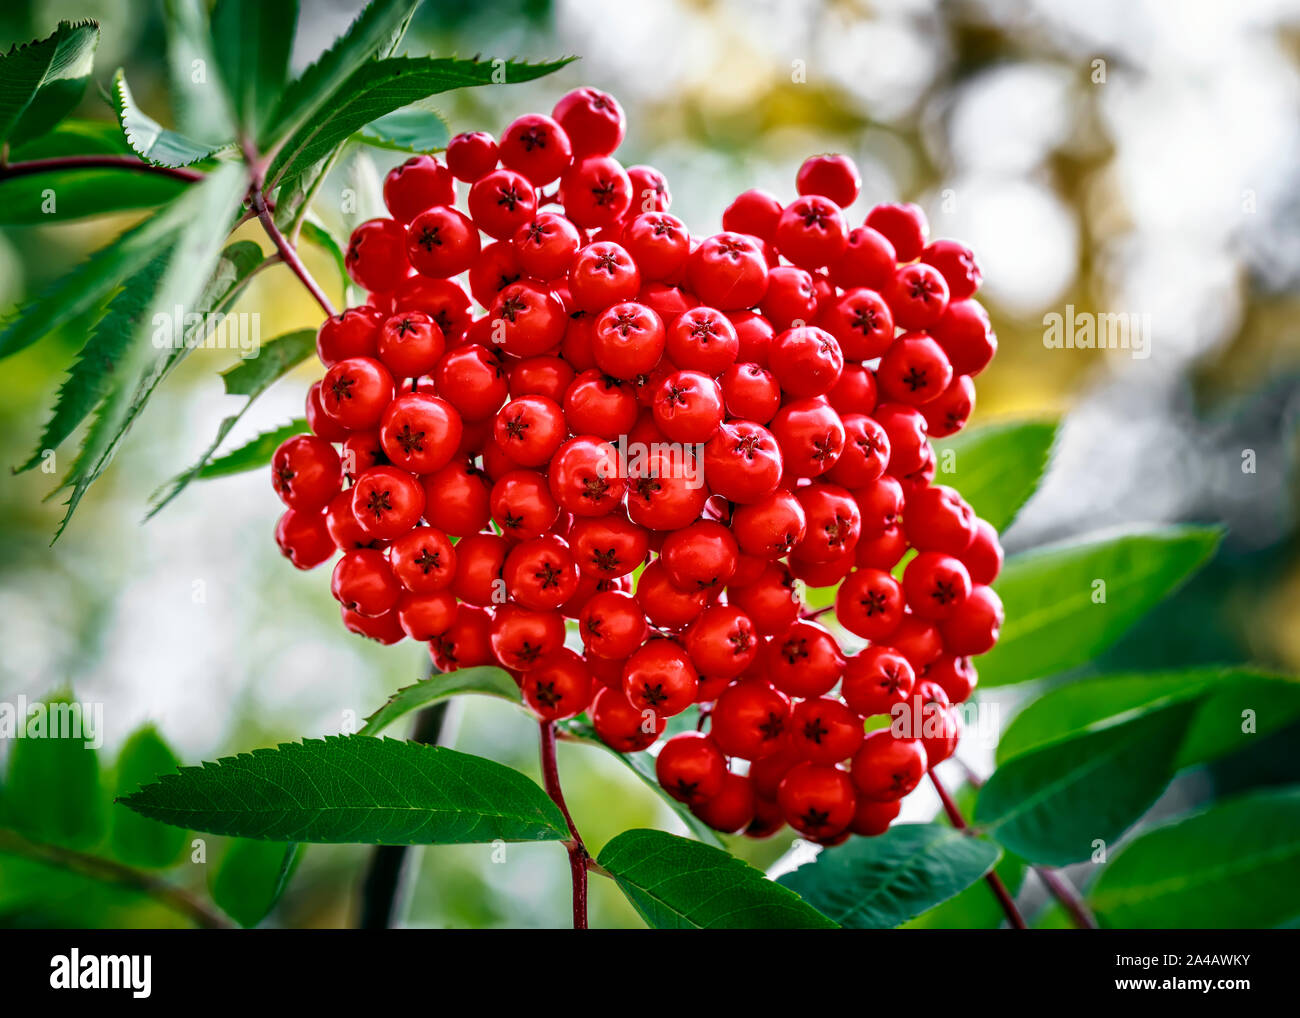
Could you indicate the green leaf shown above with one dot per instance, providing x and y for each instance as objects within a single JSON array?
[
  {"x": 204, "y": 213},
  {"x": 91, "y": 376},
  {"x": 313, "y": 232},
  {"x": 975, "y": 908},
  {"x": 643, "y": 767},
  {"x": 997, "y": 467},
  {"x": 485, "y": 680},
  {"x": 199, "y": 106},
  {"x": 148, "y": 138},
  {"x": 878, "y": 883},
  {"x": 251, "y": 40},
  {"x": 1221, "y": 694},
  {"x": 379, "y": 88},
  {"x": 52, "y": 791},
  {"x": 1056, "y": 618},
  {"x": 41, "y": 82},
  {"x": 1230, "y": 867},
  {"x": 409, "y": 130},
  {"x": 135, "y": 839},
  {"x": 250, "y": 377},
  {"x": 376, "y": 31},
  {"x": 251, "y": 877},
  {"x": 355, "y": 790},
  {"x": 678, "y": 884},
  {"x": 252, "y": 455},
  {"x": 1051, "y": 804}
]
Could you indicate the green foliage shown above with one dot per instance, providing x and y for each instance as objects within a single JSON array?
[
  {"x": 52, "y": 789},
  {"x": 251, "y": 40},
  {"x": 410, "y": 130},
  {"x": 1067, "y": 603},
  {"x": 149, "y": 139},
  {"x": 355, "y": 789},
  {"x": 1231, "y": 866},
  {"x": 878, "y": 883},
  {"x": 997, "y": 467},
  {"x": 136, "y": 839},
  {"x": 252, "y": 455},
  {"x": 42, "y": 81},
  {"x": 486, "y": 681},
  {"x": 1051, "y": 805},
  {"x": 251, "y": 877},
  {"x": 678, "y": 884}
]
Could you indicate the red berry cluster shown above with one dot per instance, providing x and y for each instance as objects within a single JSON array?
[{"x": 656, "y": 436}]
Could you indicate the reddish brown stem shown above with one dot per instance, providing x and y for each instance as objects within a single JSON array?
[
  {"x": 994, "y": 881},
  {"x": 578, "y": 855},
  {"x": 287, "y": 251},
  {"x": 31, "y": 166}
]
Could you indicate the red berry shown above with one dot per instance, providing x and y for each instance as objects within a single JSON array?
[
  {"x": 833, "y": 176},
  {"x": 948, "y": 413},
  {"x": 955, "y": 675},
  {"x": 749, "y": 720},
  {"x": 523, "y": 639},
  {"x": 983, "y": 557},
  {"x": 866, "y": 452},
  {"x": 754, "y": 212},
  {"x": 917, "y": 640},
  {"x": 479, "y": 561},
  {"x": 806, "y": 361},
  {"x": 547, "y": 245},
  {"x": 420, "y": 432},
  {"x": 660, "y": 678},
  {"x": 691, "y": 768},
  {"x": 304, "y": 538},
  {"x": 387, "y": 502},
  {"x": 869, "y": 604},
  {"x": 882, "y": 549},
  {"x": 441, "y": 242},
  {"x": 526, "y": 320},
  {"x": 537, "y": 147},
  {"x": 772, "y": 526},
  {"x": 906, "y": 429},
  {"x": 936, "y": 585},
  {"x": 496, "y": 267},
  {"x": 956, "y": 263},
  {"x": 868, "y": 259},
  {"x": 914, "y": 370},
  {"x": 791, "y": 298},
  {"x": 873, "y": 818},
  {"x": 418, "y": 184},
  {"x": 834, "y": 523},
  {"x": 385, "y": 628},
  {"x": 306, "y": 472},
  {"x": 862, "y": 322},
  {"x": 688, "y": 407},
  {"x": 886, "y": 768},
  {"x": 353, "y": 333},
  {"x": 824, "y": 731},
  {"x": 603, "y": 274},
  {"x": 472, "y": 155},
  {"x": 522, "y": 505},
  {"x": 973, "y": 628},
  {"x": 612, "y": 625},
  {"x": 722, "y": 642},
  {"x": 355, "y": 392},
  {"x": 425, "y": 617},
  {"x": 608, "y": 547},
  {"x": 701, "y": 556},
  {"x": 659, "y": 243},
  {"x": 410, "y": 344},
  {"x": 622, "y": 726},
  {"x": 423, "y": 560},
  {"x": 804, "y": 660},
  {"x": 811, "y": 232},
  {"x": 559, "y": 687},
  {"x": 649, "y": 189},
  {"x": 938, "y": 519},
  {"x": 584, "y": 477},
  {"x": 811, "y": 436},
  {"x": 529, "y": 430},
  {"x": 964, "y": 332},
  {"x": 917, "y": 295},
  {"x": 376, "y": 255},
  {"x": 363, "y": 582},
  {"x": 769, "y": 599},
  {"x": 817, "y": 799},
  {"x": 540, "y": 573},
  {"x": 876, "y": 680},
  {"x": 666, "y": 605},
  {"x": 502, "y": 201},
  {"x": 665, "y": 489},
  {"x": 728, "y": 271},
  {"x": 592, "y": 119},
  {"x": 750, "y": 392},
  {"x": 596, "y": 192},
  {"x": 627, "y": 340},
  {"x": 472, "y": 380},
  {"x": 456, "y": 499},
  {"x": 754, "y": 333},
  {"x": 904, "y": 226}
]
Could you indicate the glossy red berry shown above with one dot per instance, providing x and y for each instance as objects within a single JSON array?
[
  {"x": 612, "y": 625},
  {"x": 560, "y": 686},
  {"x": 722, "y": 642},
  {"x": 691, "y": 768},
  {"x": 547, "y": 245},
  {"x": 964, "y": 332},
  {"x": 659, "y": 677},
  {"x": 529, "y": 430},
  {"x": 472, "y": 155},
  {"x": 592, "y": 119},
  {"x": 537, "y": 147},
  {"x": 750, "y": 392},
  {"x": 754, "y": 212},
  {"x": 806, "y": 361},
  {"x": 627, "y": 340},
  {"x": 355, "y": 392},
  {"x": 833, "y": 176},
  {"x": 702, "y": 556},
  {"x": 502, "y": 201},
  {"x": 442, "y": 242},
  {"x": 956, "y": 263},
  {"x": 811, "y": 232},
  {"x": 973, "y": 628},
  {"x": 868, "y": 259},
  {"x": 306, "y": 472},
  {"x": 376, "y": 255},
  {"x": 603, "y": 274},
  {"x": 423, "y": 560},
  {"x": 417, "y": 184},
  {"x": 869, "y": 604},
  {"x": 811, "y": 436},
  {"x": 876, "y": 680},
  {"x": 410, "y": 344},
  {"x": 948, "y": 413},
  {"x": 608, "y": 547},
  {"x": 363, "y": 582},
  {"x": 352, "y": 333},
  {"x": 749, "y": 720},
  {"x": 522, "y": 504},
  {"x": 688, "y": 407},
  {"x": 420, "y": 432},
  {"x": 456, "y": 499},
  {"x": 526, "y": 320},
  {"x": 886, "y": 768},
  {"x": 983, "y": 557},
  {"x": 904, "y": 226},
  {"x": 660, "y": 243},
  {"x": 523, "y": 639},
  {"x": 937, "y": 518},
  {"x": 917, "y": 295},
  {"x": 596, "y": 192},
  {"x": 540, "y": 573},
  {"x": 480, "y": 559},
  {"x": 817, "y": 800},
  {"x": 936, "y": 585},
  {"x": 914, "y": 370},
  {"x": 804, "y": 660},
  {"x": 728, "y": 271},
  {"x": 824, "y": 730},
  {"x": 584, "y": 477},
  {"x": 387, "y": 502},
  {"x": 862, "y": 322},
  {"x": 304, "y": 538}
]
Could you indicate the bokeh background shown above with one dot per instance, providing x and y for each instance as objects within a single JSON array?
[{"x": 1117, "y": 156}]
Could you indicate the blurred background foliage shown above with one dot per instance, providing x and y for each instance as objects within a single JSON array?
[{"x": 1120, "y": 155}]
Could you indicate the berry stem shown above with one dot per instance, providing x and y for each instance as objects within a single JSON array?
[
  {"x": 287, "y": 251},
  {"x": 808, "y": 616},
  {"x": 31, "y": 166},
  {"x": 107, "y": 870},
  {"x": 994, "y": 881},
  {"x": 579, "y": 859},
  {"x": 1057, "y": 884}
]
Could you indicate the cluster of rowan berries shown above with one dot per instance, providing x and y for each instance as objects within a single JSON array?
[{"x": 658, "y": 437}]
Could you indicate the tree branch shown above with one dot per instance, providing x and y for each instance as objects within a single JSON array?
[
  {"x": 98, "y": 868},
  {"x": 287, "y": 251},
  {"x": 32, "y": 166},
  {"x": 579, "y": 858},
  {"x": 994, "y": 881}
]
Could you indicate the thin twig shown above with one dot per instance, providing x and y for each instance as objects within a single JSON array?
[
  {"x": 579, "y": 858},
  {"x": 994, "y": 881},
  {"x": 31, "y": 166},
  {"x": 98, "y": 868},
  {"x": 287, "y": 251}
]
